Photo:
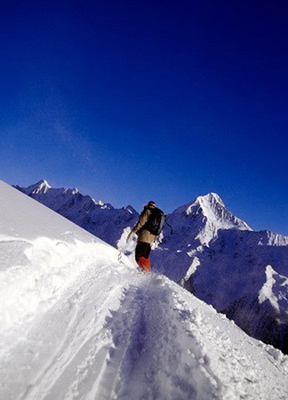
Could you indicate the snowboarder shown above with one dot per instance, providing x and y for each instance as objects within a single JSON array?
[{"x": 148, "y": 228}]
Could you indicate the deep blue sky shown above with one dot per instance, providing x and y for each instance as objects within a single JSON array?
[{"x": 138, "y": 100}]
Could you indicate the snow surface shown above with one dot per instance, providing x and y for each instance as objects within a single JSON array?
[
  {"x": 78, "y": 321},
  {"x": 210, "y": 251},
  {"x": 222, "y": 261}
]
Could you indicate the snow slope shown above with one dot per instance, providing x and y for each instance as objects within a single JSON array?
[
  {"x": 210, "y": 251},
  {"x": 100, "y": 219},
  {"x": 78, "y": 321},
  {"x": 223, "y": 262}
]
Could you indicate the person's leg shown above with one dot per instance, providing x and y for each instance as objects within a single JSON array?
[
  {"x": 142, "y": 255},
  {"x": 144, "y": 264}
]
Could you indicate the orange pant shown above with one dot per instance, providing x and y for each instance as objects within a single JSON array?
[
  {"x": 142, "y": 255},
  {"x": 144, "y": 264}
]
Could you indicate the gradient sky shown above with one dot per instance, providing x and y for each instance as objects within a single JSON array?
[{"x": 137, "y": 100}]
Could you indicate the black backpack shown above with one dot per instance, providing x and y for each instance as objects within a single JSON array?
[{"x": 155, "y": 222}]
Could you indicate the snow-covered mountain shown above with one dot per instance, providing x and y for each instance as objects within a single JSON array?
[
  {"x": 205, "y": 216},
  {"x": 100, "y": 219},
  {"x": 207, "y": 249},
  {"x": 242, "y": 273},
  {"x": 78, "y": 321}
]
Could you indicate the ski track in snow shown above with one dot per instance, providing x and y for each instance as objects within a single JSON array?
[
  {"x": 90, "y": 355},
  {"x": 144, "y": 330},
  {"x": 78, "y": 322},
  {"x": 139, "y": 339}
]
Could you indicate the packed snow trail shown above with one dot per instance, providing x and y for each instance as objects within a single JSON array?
[
  {"x": 78, "y": 322},
  {"x": 128, "y": 350},
  {"x": 141, "y": 338},
  {"x": 144, "y": 332}
]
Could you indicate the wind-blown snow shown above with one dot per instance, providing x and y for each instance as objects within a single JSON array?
[{"x": 80, "y": 322}]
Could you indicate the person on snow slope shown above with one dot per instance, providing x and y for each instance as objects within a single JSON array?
[{"x": 148, "y": 228}]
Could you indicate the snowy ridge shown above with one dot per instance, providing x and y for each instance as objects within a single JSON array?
[
  {"x": 269, "y": 238},
  {"x": 223, "y": 262},
  {"x": 111, "y": 332},
  {"x": 40, "y": 187},
  {"x": 230, "y": 273},
  {"x": 214, "y": 254},
  {"x": 99, "y": 218},
  {"x": 50, "y": 256}
]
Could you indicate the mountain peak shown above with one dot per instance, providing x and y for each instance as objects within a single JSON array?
[
  {"x": 39, "y": 187},
  {"x": 210, "y": 198},
  {"x": 213, "y": 209},
  {"x": 206, "y": 202},
  {"x": 130, "y": 209},
  {"x": 207, "y": 214}
]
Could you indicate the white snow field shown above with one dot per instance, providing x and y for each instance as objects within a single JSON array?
[{"x": 78, "y": 321}]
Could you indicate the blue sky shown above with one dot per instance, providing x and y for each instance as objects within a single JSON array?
[{"x": 137, "y": 100}]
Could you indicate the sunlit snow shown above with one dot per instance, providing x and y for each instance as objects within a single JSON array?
[
  {"x": 78, "y": 321},
  {"x": 232, "y": 258}
]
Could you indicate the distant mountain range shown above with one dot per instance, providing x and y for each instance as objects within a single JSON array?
[
  {"x": 100, "y": 219},
  {"x": 205, "y": 248}
]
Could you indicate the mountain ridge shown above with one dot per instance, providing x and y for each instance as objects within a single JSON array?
[
  {"x": 209, "y": 251},
  {"x": 93, "y": 216},
  {"x": 79, "y": 322}
]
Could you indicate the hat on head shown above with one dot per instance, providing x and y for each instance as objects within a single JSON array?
[{"x": 151, "y": 203}]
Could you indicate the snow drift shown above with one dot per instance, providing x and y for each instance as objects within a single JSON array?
[{"x": 80, "y": 322}]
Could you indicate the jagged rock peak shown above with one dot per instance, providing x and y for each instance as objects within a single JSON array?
[
  {"x": 268, "y": 238},
  {"x": 70, "y": 191},
  {"x": 54, "y": 197},
  {"x": 39, "y": 187},
  {"x": 130, "y": 209}
]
